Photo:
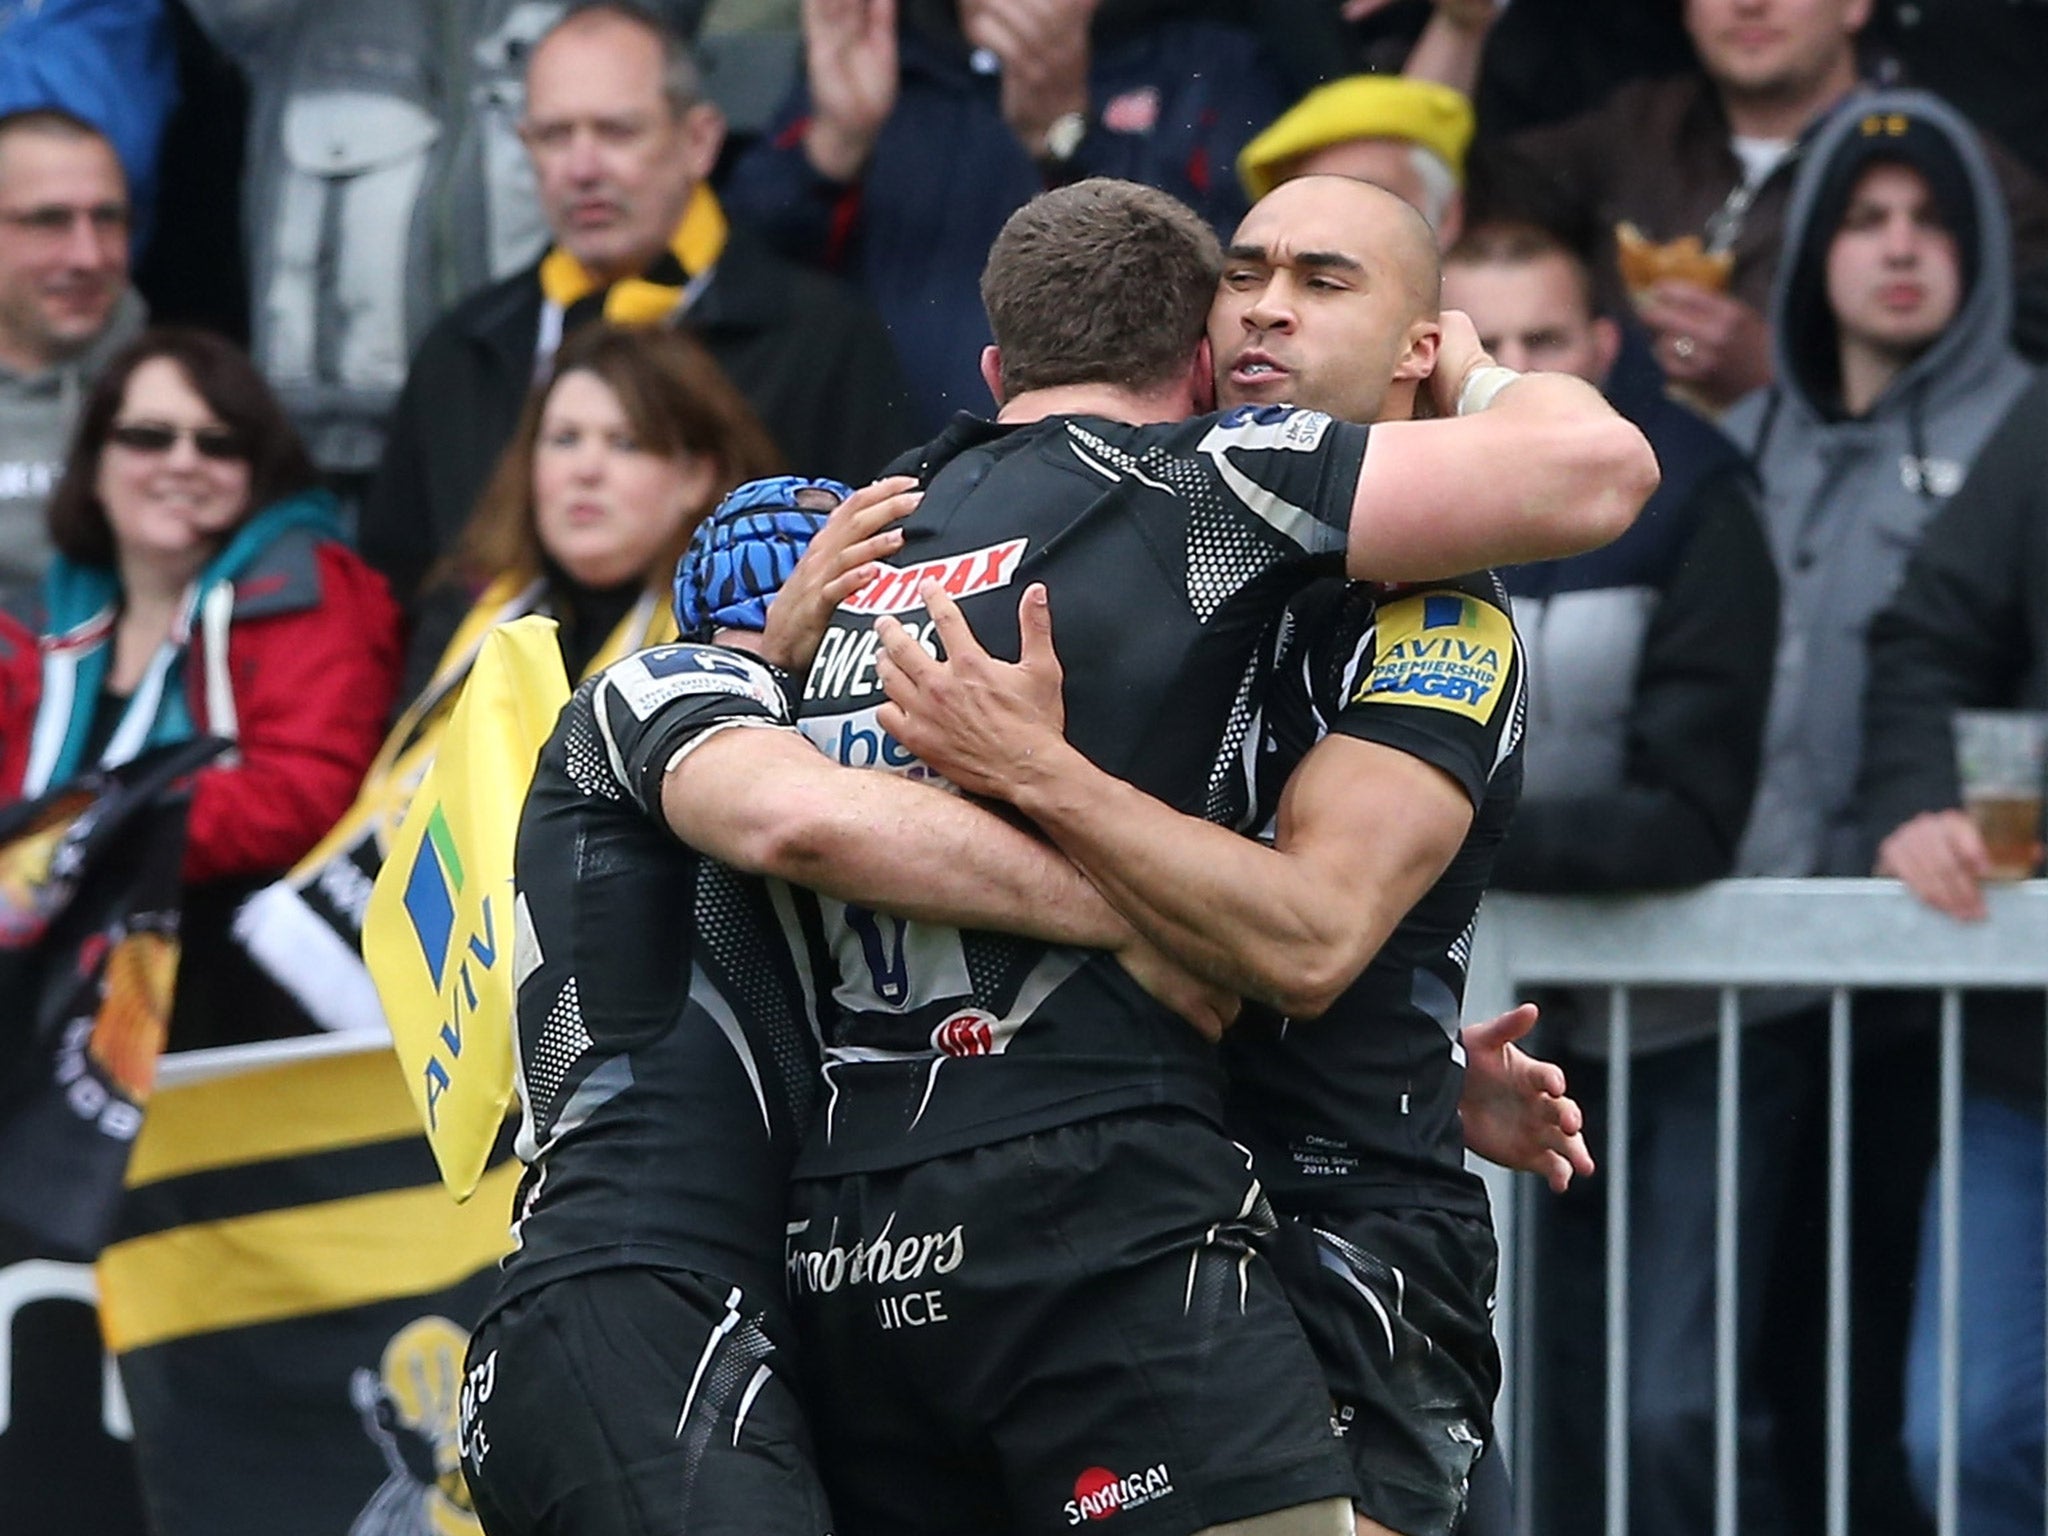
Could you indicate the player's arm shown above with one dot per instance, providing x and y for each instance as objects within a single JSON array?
[
  {"x": 768, "y": 802},
  {"x": 1523, "y": 467},
  {"x": 1364, "y": 829},
  {"x": 709, "y": 747}
]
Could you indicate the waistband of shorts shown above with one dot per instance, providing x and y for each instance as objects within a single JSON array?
[
  {"x": 879, "y": 1116},
  {"x": 1461, "y": 1196}
]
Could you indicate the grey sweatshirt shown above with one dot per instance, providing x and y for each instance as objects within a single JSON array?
[
  {"x": 37, "y": 413},
  {"x": 1845, "y": 499}
]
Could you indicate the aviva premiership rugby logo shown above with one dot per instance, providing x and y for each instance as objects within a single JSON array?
[
  {"x": 408, "y": 1408},
  {"x": 1440, "y": 650}
]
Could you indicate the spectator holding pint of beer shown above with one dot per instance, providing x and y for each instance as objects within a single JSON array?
[{"x": 1959, "y": 659}]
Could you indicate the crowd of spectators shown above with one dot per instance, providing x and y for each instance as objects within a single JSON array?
[{"x": 515, "y": 289}]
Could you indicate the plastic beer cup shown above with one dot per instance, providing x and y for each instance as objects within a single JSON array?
[{"x": 2002, "y": 765}]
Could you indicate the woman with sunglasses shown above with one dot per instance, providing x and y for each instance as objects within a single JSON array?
[
  {"x": 201, "y": 587},
  {"x": 631, "y": 438}
]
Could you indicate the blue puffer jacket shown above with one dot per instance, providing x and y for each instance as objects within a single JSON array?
[
  {"x": 1170, "y": 106},
  {"x": 110, "y": 62}
]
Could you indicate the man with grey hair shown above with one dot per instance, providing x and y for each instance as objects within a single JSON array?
[
  {"x": 65, "y": 306},
  {"x": 622, "y": 143}
]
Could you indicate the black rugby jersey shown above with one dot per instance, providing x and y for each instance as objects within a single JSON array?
[
  {"x": 667, "y": 1054},
  {"x": 1168, "y": 551},
  {"x": 1359, "y": 1108}
]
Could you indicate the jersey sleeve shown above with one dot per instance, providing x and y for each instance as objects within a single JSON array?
[
  {"x": 1438, "y": 674},
  {"x": 657, "y": 703},
  {"x": 1294, "y": 470}
]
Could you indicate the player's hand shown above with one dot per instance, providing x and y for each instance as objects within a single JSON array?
[
  {"x": 979, "y": 721},
  {"x": 1712, "y": 345},
  {"x": 1043, "y": 45},
  {"x": 1458, "y": 356},
  {"x": 1941, "y": 857},
  {"x": 840, "y": 561},
  {"x": 1514, "y": 1108},
  {"x": 1208, "y": 1008},
  {"x": 850, "y": 57}
]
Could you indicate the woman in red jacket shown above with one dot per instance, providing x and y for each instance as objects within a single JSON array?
[{"x": 201, "y": 587}]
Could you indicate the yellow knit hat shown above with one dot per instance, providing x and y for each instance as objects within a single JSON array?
[{"x": 1361, "y": 107}]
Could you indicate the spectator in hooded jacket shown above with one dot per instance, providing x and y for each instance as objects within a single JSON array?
[
  {"x": 1889, "y": 323},
  {"x": 201, "y": 587},
  {"x": 1968, "y": 629}
]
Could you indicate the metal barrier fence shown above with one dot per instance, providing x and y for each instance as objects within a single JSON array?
[{"x": 1835, "y": 935}]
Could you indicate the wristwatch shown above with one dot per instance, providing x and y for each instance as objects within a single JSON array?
[{"x": 1061, "y": 143}]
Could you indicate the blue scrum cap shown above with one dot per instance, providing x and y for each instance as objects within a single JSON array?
[{"x": 744, "y": 551}]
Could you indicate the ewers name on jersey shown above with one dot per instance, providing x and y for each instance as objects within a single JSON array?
[
  {"x": 667, "y": 1047},
  {"x": 1168, "y": 551},
  {"x": 1359, "y": 1108}
]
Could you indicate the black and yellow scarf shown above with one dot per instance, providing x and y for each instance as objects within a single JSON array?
[{"x": 652, "y": 297}]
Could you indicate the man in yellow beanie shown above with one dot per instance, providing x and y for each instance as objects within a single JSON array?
[{"x": 1408, "y": 136}]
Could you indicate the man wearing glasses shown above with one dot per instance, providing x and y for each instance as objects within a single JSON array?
[{"x": 65, "y": 307}]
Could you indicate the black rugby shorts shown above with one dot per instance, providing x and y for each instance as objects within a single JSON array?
[
  {"x": 635, "y": 1402},
  {"x": 1398, "y": 1306},
  {"x": 1072, "y": 1330}
]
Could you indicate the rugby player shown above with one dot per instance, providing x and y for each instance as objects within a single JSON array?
[
  {"x": 1096, "y": 1331},
  {"x": 629, "y": 1375},
  {"x": 1394, "y": 723}
]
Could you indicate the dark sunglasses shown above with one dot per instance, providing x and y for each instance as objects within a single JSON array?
[{"x": 157, "y": 437}]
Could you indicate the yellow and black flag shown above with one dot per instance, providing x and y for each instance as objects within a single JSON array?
[
  {"x": 439, "y": 929},
  {"x": 290, "y": 1293},
  {"x": 90, "y": 909}
]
